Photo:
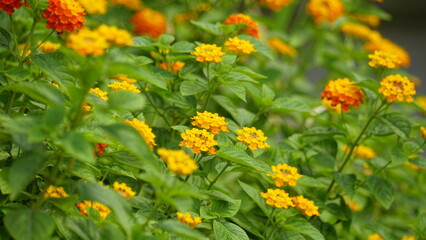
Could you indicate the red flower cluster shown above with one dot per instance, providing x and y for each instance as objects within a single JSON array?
[
  {"x": 64, "y": 15},
  {"x": 10, "y": 5}
]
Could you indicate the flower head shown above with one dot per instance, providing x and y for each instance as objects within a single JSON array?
[
  {"x": 384, "y": 60},
  {"x": 48, "y": 47},
  {"x": 210, "y": 121},
  {"x": 353, "y": 205},
  {"x": 360, "y": 31},
  {"x": 64, "y": 15},
  {"x": 397, "y": 87},
  {"x": 144, "y": 130},
  {"x": 325, "y": 10},
  {"x": 306, "y": 206},
  {"x": 187, "y": 219},
  {"x": 238, "y": 46},
  {"x": 198, "y": 140},
  {"x": 100, "y": 147},
  {"x": 173, "y": 67},
  {"x": 282, "y": 47},
  {"x": 124, "y": 86},
  {"x": 55, "y": 192},
  {"x": 178, "y": 161},
  {"x": 115, "y": 35},
  {"x": 87, "y": 42},
  {"x": 375, "y": 237},
  {"x": 131, "y": 4},
  {"x": 277, "y": 198},
  {"x": 103, "y": 210},
  {"x": 284, "y": 174},
  {"x": 94, "y": 6},
  {"x": 251, "y": 26},
  {"x": 149, "y": 22},
  {"x": 252, "y": 137},
  {"x": 408, "y": 238},
  {"x": 124, "y": 78},
  {"x": 341, "y": 93},
  {"x": 275, "y": 5},
  {"x": 423, "y": 132},
  {"x": 99, "y": 93},
  {"x": 123, "y": 190},
  {"x": 361, "y": 151},
  {"x": 385, "y": 45},
  {"x": 10, "y": 5},
  {"x": 208, "y": 53}
]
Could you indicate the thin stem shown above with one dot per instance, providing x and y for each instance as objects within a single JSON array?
[
  {"x": 269, "y": 221},
  {"x": 27, "y": 43},
  {"x": 156, "y": 109},
  {"x": 12, "y": 29},
  {"x": 10, "y": 102},
  {"x": 44, "y": 40},
  {"x": 209, "y": 90},
  {"x": 220, "y": 174},
  {"x": 378, "y": 171}
]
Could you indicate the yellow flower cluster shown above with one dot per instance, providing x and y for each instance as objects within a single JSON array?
[
  {"x": 397, "y": 87},
  {"x": 149, "y": 22},
  {"x": 361, "y": 151},
  {"x": 48, "y": 47},
  {"x": 99, "y": 93},
  {"x": 284, "y": 174},
  {"x": 94, "y": 6},
  {"x": 421, "y": 101},
  {"x": 55, "y": 192},
  {"x": 123, "y": 190},
  {"x": 353, "y": 205},
  {"x": 173, "y": 67},
  {"x": 198, "y": 140},
  {"x": 385, "y": 45},
  {"x": 252, "y": 137},
  {"x": 325, "y": 10},
  {"x": 103, "y": 210},
  {"x": 278, "y": 198},
  {"x": 408, "y": 238},
  {"x": 275, "y": 5},
  {"x": 282, "y": 47},
  {"x": 124, "y": 78},
  {"x": 423, "y": 132},
  {"x": 178, "y": 161},
  {"x": 115, "y": 35},
  {"x": 306, "y": 206},
  {"x": 144, "y": 130},
  {"x": 360, "y": 31},
  {"x": 208, "y": 53},
  {"x": 375, "y": 237},
  {"x": 371, "y": 20},
  {"x": 384, "y": 60},
  {"x": 187, "y": 219},
  {"x": 340, "y": 94},
  {"x": 124, "y": 86},
  {"x": 210, "y": 121},
  {"x": 131, "y": 4},
  {"x": 238, "y": 46},
  {"x": 87, "y": 42}
]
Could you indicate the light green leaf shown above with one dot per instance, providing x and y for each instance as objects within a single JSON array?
[
  {"x": 398, "y": 123},
  {"x": 166, "y": 39},
  {"x": 183, "y": 46},
  {"x": 43, "y": 92},
  {"x": 220, "y": 208},
  {"x": 346, "y": 182},
  {"x": 82, "y": 227},
  {"x": 236, "y": 87},
  {"x": 254, "y": 194},
  {"x": 214, "y": 29},
  {"x": 54, "y": 65},
  {"x": 125, "y": 100},
  {"x": 188, "y": 88},
  {"x": 237, "y": 155},
  {"x": 310, "y": 182},
  {"x": 76, "y": 144},
  {"x": 303, "y": 227},
  {"x": 242, "y": 221},
  {"x": 26, "y": 224},
  {"x": 290, "y": 104},
  {"x": 382, "y": 190},
  {"x": 181, "y": 230},
  {"x": 228, "y": 231},
  {"x": 248, "y": 72}
]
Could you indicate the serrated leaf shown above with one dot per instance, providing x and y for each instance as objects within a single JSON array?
[
  {"x": 188, "y": 88},
  {"x": 237, "y": 155},
  {"x": 55, "y": 65},
  {"x": 214, "y": 29},
  {"x": 303, "y": 227},
  {"x": 254, "y": 194},
  {"x": 310, "y": 182},
  {"x": 346, "y": 182},
  {"x": 181, "y": 230},
  {"x": 220, "y": 208},
  {"x": 290, "y": 104},
  {"x": 398, "y": 123},
  {"x": 26, "y": 224},
  {"x": 228, "y": 231},
  {"x": 382, "y": 190}
]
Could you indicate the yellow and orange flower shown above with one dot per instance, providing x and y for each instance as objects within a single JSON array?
[
  {"x": 123, "y": 190},
  {"x": 353, "y": 205},
  {"x": 10, "y": 5},
  {"x": 325, "y": 10},
  {"x": 99, "y": 93},
  {"x": 144, "y": 130},
  {"x": 208, "y": 53},
  {"x": 55, "y": 192},
  {"x": 64, "y": 15},
  {"x": 361, "y": 151},
  {"x": 370, "y": 20},
  {"x": 172, "y": 67},
  {"x": 239, "y": 46},
  {"x": 284, "y": 174},
  {"x": 423, "y": 132},
  {"x": 198, "y": 140},
  {"x": 340, "y": 94},
  {"x": 251, "y": 28},
  {"x": 397, "y": 87},
  {"x": 385, "y": 45},
  {"x": 124, "y": 78},
  {"x": 384, "y": 60},
  {"x": 178, "y": 161},
  {"x": 48, "y": 47},
  {"x": 252, "y": 137},
  {"x": 103, "y": 210},
  {"x": 124, "y": 86},
  {"x": 187, "y": 219},
  {"x": 115, "y": 35},
  {"x": 306, "y": 206},
  {"x": 210, "y": 121},
  {"x": 360, "y": 31},
  {"x": 149, "y": 22},
  {"x": 87, "y": 42},
  {"x": 94, "y": 6},
  {"x": 281, "y": 47},
  {"x": 278, "y": 198}
]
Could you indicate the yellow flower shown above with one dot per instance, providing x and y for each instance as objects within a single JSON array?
[
  {"x": 123, "y": 190},
  {"x": 210, "y": 121},
  {"x": 131, "y": 4},
  {"x": 86, "y": 107},
  {"x": 54, "y": 84},
  {"x": 144, "y": 130},
  {"x": 325, "y": 10},
  {"x": 251, "y": 28},
  {"x": 375, "y": 237},
  {"x": 277, "y": 198},
  {"x": 275, "y": 5},
  {"x": 48, "y": 47},
  {"x": 208, "y": 53},
  {"x": 198, "y": 140},
  {"x": 149, "y": 22},
  {"x": 284, "y": 174},
  {"x": 99, "y": 93},
  {"x": 408, "y": 238},
  {"x": 383, "y": 44},
  {"x": 340, "y": 94},
  {"x": 187, "y": 219},
  {"x": 124, "y": 86},
  {"x": 360, "y": 31},
  {"x": 55, "y": 192},
  {"x": 384, "y": 60},
  {"x": 103, "y": 210},
  {"x": 361, "y": 151},
  {"x": 282, "y": 47},
  {"x": 173, "y": 67},
  {"x": 252, "y": 137},
  {"x": 238, "y": 46},
  {"x": 371, "y": 20},
  {"x": 397, "y": 87},
  {"x": 87, "y": 42},
  {"x": 115, "y": 35},
  {"x": 367, "y": 170},
  {"x": 124, "y": 78},
  {"x": 306, "y": 206},
  {"x": 423, "y": 132},
  {"x": 421, "y": 101},
  {"x": 94, "y": 6},
  {"x": 178, "y": 161},
  {"x": 353, "y": 205}
]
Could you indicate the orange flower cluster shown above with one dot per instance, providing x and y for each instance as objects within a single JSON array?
[
  {"x": 397, "y": 87},
  {"x": 149, "y": 22},
  {"x": 252, "y": 137},
  {"x": 103, "y": 210},
  {"x": 208, "y": 53},
  {"x": 238, "y": 46},
  {"x": 178, "y": 161},
  {"x": 371, "y": 20},
  {"x": 278, "y": 198},
  {"x": 340, "y": 94},
  {"x": 198, "y": 140},
  {"x": 360, "y": 31},
  {"x": 173, "y": 67},
  {"x": 64, "y": 15},
  {"x": 55, "y": 192},
  {"x": 94, "y": 6},
  {"x": 384, "y": 60},
  {"x": 210, "y": 121},
  {"x": 306, "y": 206},
  {"x": 325, "y": 10},
  {"x": 123, "y": 190},
  {"x": 284, "y": 174},
  {"x": 144, "y": 130},
  {"x": 187, "y": 219},
  {"x": 87, "y": 42},
  {"x": 10, "y": 5},
  {"x": 251, "y": 28},
  {"x": 282, "y": 47},
  {"x": 275, "y": 5},
  {"x": 100, "y": 147}
]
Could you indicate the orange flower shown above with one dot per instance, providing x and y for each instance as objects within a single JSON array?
[
  {"x": 173, "y": 67},
  {"x": 397, "y": 87},
  {"x": 64, "y": 15},
  {"x": 385, "y": 45},
  {"x": 325, "y": 10},
  {"x": 100, "y": 147},
  {"x": 149, "y": 22},
  {"x": 251, "y": 26},
  {"x": 275, "y": 5},
  {"x": 340, "y": 94},
  {"x": 10, "y": 5}
]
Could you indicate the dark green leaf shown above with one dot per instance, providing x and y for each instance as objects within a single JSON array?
[
  {"x": 55, "y": 65},
  {"x": 220, "y": 208},
  {"x": 188, "y": 88},
  {"x": 26, "y": 224},
  {"x": 254, "y": 194},
  {"x": 43, "y": 92},
  {"x": 398, "y": 123},
  {"x": 228, "y": 231},
  {"x": 237, "y": 155},
  {"x": 5, "y": 38},
  {"x": 303, "y": 227},
  {"x": 76, "y": 144},
  {"x": 382, "y": 190},
  {"x": 346, "y": 182}
]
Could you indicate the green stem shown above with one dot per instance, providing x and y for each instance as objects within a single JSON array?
[
  {"x": 209, "y": 90},
  {"x": 151, "y": 215},
  {"x": 156, "y": 109},
  {"x": 217, "y": 177},
  {"x": 27, "y": 43},
  {"x": 378, "y": 171},
  {"x": 44, "y": 40},
  {"x": 268, "y": 222},
  {"x": 12, "y": 29},
  {"x": 10, "y": 102}
]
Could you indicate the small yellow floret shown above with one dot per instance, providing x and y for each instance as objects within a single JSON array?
[
  {"x": 115, "y": 35},
  {"x": 187, "y": 219},
  {"x": 210, "y": 121},
  {"x": 103, "y": 210},
  {"x": 99, "y": 93},
  {"x": 208, "y": 53},
  {"x": 124, "y": 86},
  {"x": 282, "y": 47},
  {"x": 375, "y": 237},
  {"x": 278, "y": 198},
  {"x": 198, "y": 140},
  {"x": 94, "y": 6},
  {"x": 124, "y": 190},
  {"x": 144, "y": 130},
  {"x": 397, "y": 87},
  {"x": 238, "y": 46},
  {"x": 178, "y": 161},
  {"x": 325, "y": 10},
  {"x": 252, "y": 137},
  {"x": 384, "y": 60},
  {"x": 48, "y": 47},
  {"x": 55, "y": 192},
  {"x": 284, "y": 174},
  {"x": 306, "y": 206},
  {"x": 87, "y": 42}
]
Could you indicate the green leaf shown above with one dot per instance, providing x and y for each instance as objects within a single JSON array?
[
  {"x": 82, "y": 227},
  {"x": 188, "y": 88},
  {"x": 370, "y": 85},
  {"x": 290, "y": 104},
  {"x": 76, "y": 144},
  {"x": 419, "y": 161},
  {"x": 140, "y": 41},
  {"x": 43, "y": 92},
  {"x": 181, "y": 230},
  {"x": 248, "y": 72},
  {"x": 242, "y": 221},
  {"x": 5, "y": 38},
  {"x": 184, "y": 46},
  {"x": 220, "y": 208},
  {"x": 398, "y": 123},
  {"x": 214, "y": 29},
  {"x": 310, "y": 182},
  {"x": 254, "y": 194},
  {"x": 237, "y": 155},
  {"x": 18, "y": 73},
  {"x": 326, "y": 160},
  {"x": 54, "y": 116},
  {"x": 346, "y": 182},
  {"x": 421, "y": 224},
  {"x": 383, "y": 231},
  {"x": 258, "y": 45},
  {"x": 303, "y": 227},
  {"x": 236, "y": 87},
  {"x": 26, "y": 224},
  {"x": 166, "y": 39},
  {"x": 54, "y": 65},
  {"x": 125, "y": 100},
  {"x": 228, "y": 231},
  {"x": 382, "y": 190}
]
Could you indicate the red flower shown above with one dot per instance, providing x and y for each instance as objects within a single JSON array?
[
  {"x": 10, "y": 5},
  {"x": 64, "y": 15}
]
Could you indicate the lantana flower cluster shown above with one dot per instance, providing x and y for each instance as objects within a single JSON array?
[
  {"x": 178, "y": 161},
  {"x": 340, "y": 94}
]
